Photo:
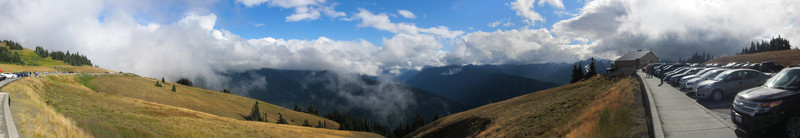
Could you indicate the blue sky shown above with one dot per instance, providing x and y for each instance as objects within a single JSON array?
[
  {"x": 201, "y": 38},
  {"x": 466, "y": 15}
]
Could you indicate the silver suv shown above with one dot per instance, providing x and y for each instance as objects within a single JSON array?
[{"x": 729, "y": 83}]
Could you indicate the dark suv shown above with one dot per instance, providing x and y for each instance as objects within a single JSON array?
[
  {"x": 770, "y": 67},
  {"x": 772, "y": 106}
]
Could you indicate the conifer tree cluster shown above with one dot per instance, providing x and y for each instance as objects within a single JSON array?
[
  {"x": 12, "y": 45},
  {"x": 697, "y": 58},
  {"x": 773, "y": 45},
  {"x": 7, "y": 56},
  {"x": 578, "y": 75},
  {"x": 185, "y": 81},
  {"x": 74, "y": 59}
]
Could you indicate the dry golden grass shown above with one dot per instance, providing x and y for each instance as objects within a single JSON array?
[
  {"x": 783, "y": 57},
  {"x": 562, "y": 111},
  {"x": 614, "y": 114},
  {"x": 65, "y": 68},
  {"x": 34, "y": 117},
  {"x": 212, "y": 102},
  {"x": 109, "y": 115}
]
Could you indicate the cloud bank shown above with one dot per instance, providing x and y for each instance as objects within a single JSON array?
[{"x": 109, "y": 33}]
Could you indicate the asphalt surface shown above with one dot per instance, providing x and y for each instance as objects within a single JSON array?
[{"x": 675, "y": 114}]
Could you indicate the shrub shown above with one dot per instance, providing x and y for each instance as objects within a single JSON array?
[{"x": 185, "y": 81}]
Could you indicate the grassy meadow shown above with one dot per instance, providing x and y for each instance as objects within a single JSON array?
[
  {"x": 63, "y": 106},
  {"x": 597, "y": 107}
]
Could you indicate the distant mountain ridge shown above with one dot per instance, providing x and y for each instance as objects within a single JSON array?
[
  {"x": 474, "y": 86},
  {"x": 555, "y": 72},
  {"x": 327, "y": 91}
]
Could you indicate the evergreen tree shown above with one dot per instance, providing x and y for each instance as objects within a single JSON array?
[
  {"x": 577, "y": 73},
  {"x": 436, "y": 116},
  {"x": 305, "y": 123},
  {"x": 255, "y": 114},
  {"x": 297, "y": 108},
  {"x": 319, "y": 124},
  {"x": 162, "y": 80},
  {"x": 592, "y": 70},
  {"x": 185, "y": 81},
  {"x": 281, "y": 120},
  {"x": 173, "y": 88},
  {"x": 419, "y": 121}
]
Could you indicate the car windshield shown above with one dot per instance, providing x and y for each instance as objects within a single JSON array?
[
  {"x": 703, "y": 74},
  {"x": 712, "y": 73},
  {"x": 704, "y": 71},
  {"x": 721, "y": 76},
  {"x": 786, "y": 79}
]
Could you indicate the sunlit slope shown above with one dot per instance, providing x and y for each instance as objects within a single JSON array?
[
  {"x": 63, "y": 106},
  {"x": 783, "y": 57},
  {"x": 212, "y": 102},
  {"x": 36, "y": 63},
  {"x": 598, "y": 107}
]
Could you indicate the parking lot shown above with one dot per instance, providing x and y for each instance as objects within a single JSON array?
[{"x": 696, "y": 101}]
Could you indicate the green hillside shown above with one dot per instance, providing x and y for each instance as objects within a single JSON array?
[
  {"x": 125, "y": 105},
  {"x": 36, "y": 63},
  {"x": 598, "y": 107}
]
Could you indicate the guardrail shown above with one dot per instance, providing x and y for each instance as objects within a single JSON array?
[{"x": 12, "y": 128}]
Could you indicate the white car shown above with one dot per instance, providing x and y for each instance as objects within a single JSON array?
[
  {"x": 9, "y": 75},
  {"x": 691, "y": 84}
]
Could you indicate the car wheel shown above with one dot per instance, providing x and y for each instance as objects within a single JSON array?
[
  {"x": 793, "y": 127},
  {"x": 716, "y": 96}
]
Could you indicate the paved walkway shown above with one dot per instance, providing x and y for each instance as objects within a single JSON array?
[{"x": 676, "y": 115}]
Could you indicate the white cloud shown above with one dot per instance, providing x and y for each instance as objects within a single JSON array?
[
  {"x": 406, "y": 14},
  {"x": 304, "y": 10},
  {"x": 525, "y": 9},
  {"x": 381, "y": 22},
  {"x": 555, "y": 3},
  {"x": 524, "y": 46},
  {"x": 678, "y": 28},
  {"x": 282, "y": 3},
  {"x": 495, "y": 23},
  {"x": 505, "y": 22}
]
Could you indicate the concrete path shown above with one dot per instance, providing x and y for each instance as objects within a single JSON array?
[{"x": 676, "y": 115}]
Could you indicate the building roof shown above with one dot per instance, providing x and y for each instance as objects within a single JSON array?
[{"x": 633, "y": 55}]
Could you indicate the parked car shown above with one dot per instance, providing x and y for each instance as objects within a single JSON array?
[
  {"x": 770, "y": 67},
  {"x": 729, "y": 83},
  {"x": 9, "y": 75},
  {"x": 691, "y": 85},
  {"x": 683, "y": 79},
  {"x": 675, "y": 79},
  {"x": 669, "y": 76},
  {"x": 755, "y": 66},
  {"x": 730, "y": 65},
  {"x": 772, "y": 106}
]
